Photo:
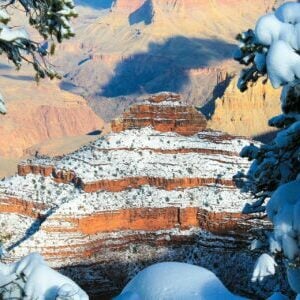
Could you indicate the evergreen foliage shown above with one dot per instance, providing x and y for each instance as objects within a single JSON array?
[
  {"x": 51, "y": 18},
  {"x": 273, "y": 50}
]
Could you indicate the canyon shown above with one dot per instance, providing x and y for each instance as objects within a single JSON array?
[
  {"x": 123, "y": 51},
  {"x": 129, "y": 49},
  {"x": 160, "y": 187}
]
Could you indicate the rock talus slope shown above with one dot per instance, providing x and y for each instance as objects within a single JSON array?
[{"x": 138, "y": 195}]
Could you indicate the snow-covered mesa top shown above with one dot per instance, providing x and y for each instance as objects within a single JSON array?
[
  {"x": 133, "y": 153},
  {"x": 281, "y": 32}
]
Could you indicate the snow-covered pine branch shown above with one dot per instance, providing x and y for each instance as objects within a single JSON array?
[
  {"x": 32, "y": 278},
  {"x": 273, "y": 50},
  {"x": 51, "y": 18}
]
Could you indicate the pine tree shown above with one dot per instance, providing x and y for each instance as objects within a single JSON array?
[
  {"x": 272, "y": 50},
  {"x": 51, "y": 19}
]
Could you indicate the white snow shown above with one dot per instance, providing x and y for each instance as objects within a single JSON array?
[
  {"x": 265, "y": 266},
  {"x": 70, "y": 200},
  {"x": 283, "y": 63},
  {"x": 283, "y": 210},
  {"x": 40, "y": 281},
  {"x": 175, "y": 281},
  {"x": 124, "y": 163},
  {"x": 281, "y": 31},
  {"x": 11, "y": 34},
  {"x": 137, "y": 153},
  {"x": 149, "y": 138},
  {"x": 2, "y": 105},
  {"x": 127, "y": 154},
  {"x": 289, "y": 13}
]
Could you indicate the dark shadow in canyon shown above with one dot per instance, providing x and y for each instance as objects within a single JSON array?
[
  {"x": 5, "y": 66},
  {"x": 105, "y": 280},
  {"x": 267, "y": 137},
  {"x": 95, "y": 132},
  {"x": 96, "y": 4},
  {"x": 209, "y": 107},
  {"x": 143, "y": 14},
  {"x": 19, "y": 77},
  {"x": 165, "y": 66},
  {"x": 33, "y": 228}
]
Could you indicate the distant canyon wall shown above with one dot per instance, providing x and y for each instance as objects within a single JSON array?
[
  {"x": 247, "y": 113},
  {"x": 39, "y": 113},
  {"x": 142, "y": 47}
]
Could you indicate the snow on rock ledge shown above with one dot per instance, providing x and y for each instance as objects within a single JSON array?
[{"x": 132, "y": 198}]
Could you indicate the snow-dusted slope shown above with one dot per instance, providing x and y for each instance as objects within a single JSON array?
[{"x": 134, "y": 197}]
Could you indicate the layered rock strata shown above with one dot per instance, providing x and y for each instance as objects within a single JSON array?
[
  {"x": 163, "y": 113},
  {"x": 132, "y": 198}
]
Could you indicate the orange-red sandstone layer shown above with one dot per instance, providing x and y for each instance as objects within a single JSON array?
[
  {"x": 177, "y": 151},
  {"x": 184, "y": 120},
  {"x": 119, "y": 185},
  {"x": 25, "y": 169},
  {"x": 153, "y": 219},
  {"x": 90, "y": 248},
  {"x": 157, "y": 111},
  {"x": 163, "y": 97},
  {"x": 21, "y": 207}
]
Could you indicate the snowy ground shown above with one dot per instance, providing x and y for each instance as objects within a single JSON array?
[{"x": 129, "y": 154}]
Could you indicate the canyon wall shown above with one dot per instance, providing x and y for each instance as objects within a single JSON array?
[
  {"x": 143, "y": 47},
  {"x": 246, "y": 113},
  {"x": 37, "y": 113}
]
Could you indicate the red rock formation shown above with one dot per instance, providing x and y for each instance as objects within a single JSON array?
[
  {"x": 119, "y": 185},
  {"x": 182, "y": 119},
  {"x": 25, "y": 169},
  {"x": 153, "y": 219},
  {"x": 21, "y": 207},
  {"x": 64, "y": 176},
  {"x": 41, "y": 118}
]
